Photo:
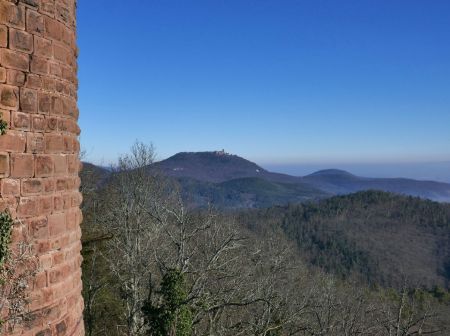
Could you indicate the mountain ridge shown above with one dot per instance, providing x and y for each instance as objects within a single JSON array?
[
  {"x": 230, "y": 181},
  {"x": 219, "y": 167}
]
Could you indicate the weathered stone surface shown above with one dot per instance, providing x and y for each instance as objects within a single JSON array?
[
  {"x": 4, "y": 164},
  {"x": 35, "y": 22},
  {"x": 39, "y": 161},
  {"x": 20, "y": 41},
  {"x": 3, "y": 36},
  {"x": 12, "y": 59},
  {"x": 9, "y": 97},
  {"x": 12, "y": 15},
  {"x": 15, "y": 77},
  {"x": 28, "y": 100}
]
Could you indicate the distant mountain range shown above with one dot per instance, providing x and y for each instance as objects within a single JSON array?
[{"x": 230, "y": 181}]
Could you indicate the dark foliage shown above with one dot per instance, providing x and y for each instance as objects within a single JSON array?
[{"x": 376, "y": 236}]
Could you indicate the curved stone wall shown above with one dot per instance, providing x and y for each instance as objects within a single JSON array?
[{"x": 39, "y": 161}]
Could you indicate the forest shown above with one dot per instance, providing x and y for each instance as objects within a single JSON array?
[{"x": 369, "y": 263}]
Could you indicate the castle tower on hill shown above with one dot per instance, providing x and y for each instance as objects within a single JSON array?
[{"x": 39, "y": 162}]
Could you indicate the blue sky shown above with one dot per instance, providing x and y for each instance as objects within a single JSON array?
[{"x": 281, "y": 82}]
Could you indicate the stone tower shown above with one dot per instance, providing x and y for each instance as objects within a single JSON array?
[{"x": 39, "y": 161}]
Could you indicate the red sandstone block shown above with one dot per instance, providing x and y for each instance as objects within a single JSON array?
[
  {"x": 49, "y": 185},
  {"x": 17, "y": 234},
  {"x": 40, "y": 280},
  {"x": 72, "y": 60},
  {"x": 53, "y": 28},
  {"x": 75, "y": 236},
  {"x": 9, "y": 97},
  {"x": 12, "y": 15},
  {"x": 68, "y": 37},
  {"x": 73, "y": 163},
  {"x": 69, "y": 144},
  {"x": 61, "y": 54},
  {"x": 2, "y": 75},
  {"x": 73, "y": 251},
  {"x": 13, "y": 141},
  {"x": 31, "y": 187},
  {"x": 44, "y": 166},
  {"x": 46, "y": 205},
  {"x": 14, "y": 60},
  {"x": 69, "y": 89},
  {"x": 39, "y": 65},
  {"x": 55, "y": 70},
  {"x": 72, "y": 219},
  {"x": 61, "y": 164},
  {"x": 58, "y": 274},
  {"x": 42, "y": 246},
  {"x": 33, "y": 81},
  {"x": 63, "y": 12},
  {"x": 63, "y": 125},
  {"x": 4, "y": 165},
  {"x": 69, "y": 74},
  {"x": 67, "y": 201},
  {"x": 49, "y": 295},
  {"x": 73, "y": 91},
  {"x": 58, "y": 258},
  {"x": 35, "y": 143},
  {"x": 36, "y": 302},
  {"x": 38, "y": 123},
  {"x": 54, "y": 143},
  {"x": 21, "y": 41},
  {"x": 34, "y": 22},
  {"x": 44, "y": 103},
  {"x": 8, "y": 203},
  {"x": 30, "y": 3},
  {"x": 57, "y": 105},
  {"x": 15, "y": 77},
  {"x": 58, "y": 203},
  {"x": 42, "y": 47},
  {"x": 47, "y": 7},
  {"x": 45, "y": 261},
  {"x": 20, "y": 121},
  {"x": 22, "y": 165},
  {"x": 64, "y": 184},
  {"x": 54, "y": 312},
  {"x": 3, "y": 36},
  {"x": 72, "y": 109},
  {"x": 28, "y": 207},
  {"x": 28, "y": 100},
  {"x": 60, "y": 86},
  {"x": 38, "y": 229},
  {"x": 48, "y": 83},
  {"x": 59, "y": 242},
  {"x": 10, "y": 187},
  {"x": 56, "y": 224}
]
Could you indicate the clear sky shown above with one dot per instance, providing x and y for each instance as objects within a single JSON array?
[{"x": 280, "y": 82}]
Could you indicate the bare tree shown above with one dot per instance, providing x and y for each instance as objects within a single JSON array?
[
  {"x": 180, "y": 271},
  {"x": 407, "y": 312},
  {"x": 126, "y": 216}
]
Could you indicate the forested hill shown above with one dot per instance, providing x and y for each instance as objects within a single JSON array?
[
  {"x": 380, "y": 237},
  {"x": 203, "y": 174}
]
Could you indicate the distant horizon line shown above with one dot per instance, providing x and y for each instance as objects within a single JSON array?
[{"x": 293, "y": 162}]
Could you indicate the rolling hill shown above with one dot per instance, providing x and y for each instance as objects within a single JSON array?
[
  {"x": 211, "y": 173},
  {"x": 380, "y": 237}
]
